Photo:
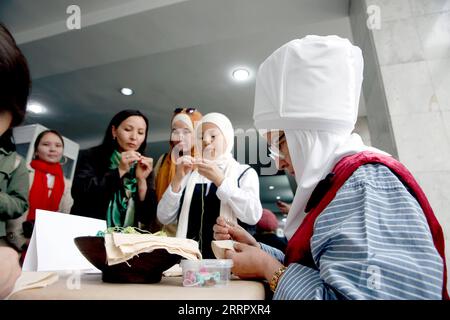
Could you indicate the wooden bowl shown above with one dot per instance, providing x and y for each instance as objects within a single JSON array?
[{"x": 145, "y": 268}]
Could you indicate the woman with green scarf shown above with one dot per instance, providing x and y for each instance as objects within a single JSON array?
[{"x": 114, "y": 181}]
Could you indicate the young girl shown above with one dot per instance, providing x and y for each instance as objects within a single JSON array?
[
  {"x": 216, "y": 184},
  {"x": 49, "y": 188}
]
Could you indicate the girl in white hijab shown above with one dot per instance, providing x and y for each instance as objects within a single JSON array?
[
  {"x": 211, "y": 186},
  {"x": 355, "y": 247}
]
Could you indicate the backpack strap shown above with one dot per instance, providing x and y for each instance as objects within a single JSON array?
[
  {"x": 250, "y": 228},
  {"x": 242, "y": 174}
]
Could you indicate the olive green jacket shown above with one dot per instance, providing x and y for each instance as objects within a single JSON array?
[{"x": 14, "y": 187}]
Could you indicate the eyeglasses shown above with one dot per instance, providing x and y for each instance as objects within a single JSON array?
[
  {"x": 276, "y": 154},
  {"x": 188, "y": 110},
  {"x": 180, "y": 132},
  {"x": 274, "y": 149}
]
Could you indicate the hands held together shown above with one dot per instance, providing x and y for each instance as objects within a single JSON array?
[
  {"x": 144, "y": 165},
  {"x": 249, "y": 261},
  {"x": 206, "y": 168}
]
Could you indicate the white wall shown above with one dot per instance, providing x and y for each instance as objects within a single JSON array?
[{"x": 408, "y": 60}]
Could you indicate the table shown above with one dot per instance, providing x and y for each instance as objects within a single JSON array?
[{"x": 91, "y": 287}]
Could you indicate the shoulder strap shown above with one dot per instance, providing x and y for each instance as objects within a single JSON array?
[
  {"x": 249, "y": 228},
  {"x": 242, "y": 174}
]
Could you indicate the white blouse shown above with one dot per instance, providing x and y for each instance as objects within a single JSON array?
[
  {"x": 243, "y": 200},
  {"x": 50, "y": 183}
]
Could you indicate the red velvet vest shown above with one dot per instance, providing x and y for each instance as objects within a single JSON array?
[{"x": 299, "y": 250}]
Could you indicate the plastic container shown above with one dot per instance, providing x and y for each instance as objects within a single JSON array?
[{"x": 206, "y": 273}]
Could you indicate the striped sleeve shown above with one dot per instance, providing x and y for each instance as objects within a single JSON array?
[
  {"x": 371, "y": 242},
  {"x": 274, "y": 252}
]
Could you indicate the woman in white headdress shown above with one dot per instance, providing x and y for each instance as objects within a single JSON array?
[
  {"x": 359, "y": 227},
  {"x": 214, "y": 185}
]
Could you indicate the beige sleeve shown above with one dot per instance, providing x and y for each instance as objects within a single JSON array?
[{"x": 66, "y": 201}]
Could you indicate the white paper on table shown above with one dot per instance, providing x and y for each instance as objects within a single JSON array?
[
  {"x": 32, "y": 280},
  {"x": 30, "y": 262},
  {"x": 174, "y": 271},
  {"x": 52, "y": 246}
]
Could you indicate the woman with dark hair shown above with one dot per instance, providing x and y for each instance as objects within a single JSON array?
[
  {"x": 15, "y": 81},
  {"x": 49, "y": 189},
  {"x": 114, "y": 181},
  {"x": 14, "y": 89}
]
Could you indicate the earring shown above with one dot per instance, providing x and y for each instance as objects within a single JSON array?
[{"x": 64, "y": 160}]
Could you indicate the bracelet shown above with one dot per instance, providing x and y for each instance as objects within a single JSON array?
[{"x": 276, "y": 277}]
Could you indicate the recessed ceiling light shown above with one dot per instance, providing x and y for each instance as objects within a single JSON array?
[
  {"x": 126, "y": 91},
  {"x": 241, "y": 74},
  {"x": 284, "y": 219},
  {"x": 271, "y": 187},
  {"x": 278, "y": 197},
  {"x": 35, "y": 107}
]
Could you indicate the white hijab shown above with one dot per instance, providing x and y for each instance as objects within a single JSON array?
[
  {"x": 185, "y": 119},
  {"x": 310, "y": 88},
  {"x": 225, "y": 162}
]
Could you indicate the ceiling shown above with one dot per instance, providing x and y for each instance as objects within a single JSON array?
[{"x": 170, "y": 52}]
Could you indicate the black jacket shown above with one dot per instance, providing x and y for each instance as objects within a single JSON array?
[{"x": 94, "y": 185}]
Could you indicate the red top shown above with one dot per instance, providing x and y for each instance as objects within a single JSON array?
[{"x": 299, "y": 250}]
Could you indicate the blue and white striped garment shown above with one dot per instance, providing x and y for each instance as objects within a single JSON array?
[{"x": 371, "y": 242}]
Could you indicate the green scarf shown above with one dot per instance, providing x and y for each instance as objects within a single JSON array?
[{"x": 121, "y": 208}]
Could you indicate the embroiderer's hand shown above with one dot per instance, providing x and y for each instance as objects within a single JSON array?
[
  {"x": 250, "y": 262},
  {"x": 126, "y": 161},
  {"x": 184, "y": 166},
  {"x": 226, "y": 231},
  {"x": 210, "y": 171},
  {"x": 144, "y": 167}
]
